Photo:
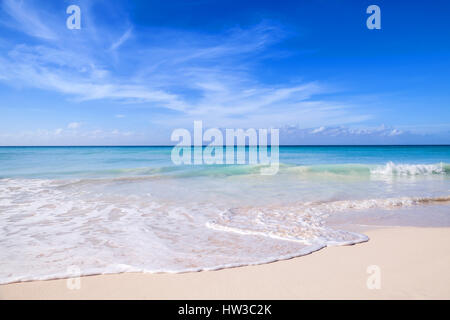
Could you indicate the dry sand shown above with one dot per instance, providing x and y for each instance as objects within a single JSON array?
[{"x": 414, "y": 263}]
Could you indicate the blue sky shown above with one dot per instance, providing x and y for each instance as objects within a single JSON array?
[{"x": 139, "y": 69}]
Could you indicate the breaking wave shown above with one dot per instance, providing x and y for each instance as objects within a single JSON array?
[{"x": 305, "y": 222}]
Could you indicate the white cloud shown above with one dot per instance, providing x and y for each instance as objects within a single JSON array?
[
  {"x": 28, "y": 19},
  {"x": 289, "y": 135},
  {"x": 195, "y": 76},
  {"x": 122, "y": 39},
  {"x": 344, "y": 135},
  {"x": 395, "y": 132},
  {"x": 74, "y": 125},
  {"x": 72, "y": 137}
]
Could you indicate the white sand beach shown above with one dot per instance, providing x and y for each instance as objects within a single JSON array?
[{"x": 413, "y": 263}]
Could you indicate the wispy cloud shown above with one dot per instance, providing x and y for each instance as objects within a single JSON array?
[
  {"x": 28, "y": 19},
  {"x": 348, "y": 135},
  {"x": 72, "y": 137},
  {"x": 289, "y": 135},
  {"x": 191, "y": 75},
  {"x": 122, "y": 39}
]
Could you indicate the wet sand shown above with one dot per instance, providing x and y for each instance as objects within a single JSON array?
[{"x": 412, "y": 263}]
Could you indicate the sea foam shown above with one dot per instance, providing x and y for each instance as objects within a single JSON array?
[{"x": 117, "y": 225}]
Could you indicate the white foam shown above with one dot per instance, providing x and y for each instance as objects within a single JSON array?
[
  {"x": 392, "y": 169},
  {"x": 46, "y": 226},
  {"x": 305, "y": 222}
]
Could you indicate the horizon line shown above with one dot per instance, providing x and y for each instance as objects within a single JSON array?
[{"x": 284, "y": 145}]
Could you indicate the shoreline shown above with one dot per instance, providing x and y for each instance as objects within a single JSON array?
[{"x": 413, "y": 263}]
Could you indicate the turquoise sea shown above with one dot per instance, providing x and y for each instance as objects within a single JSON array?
[{"x": 120, "y": 209}]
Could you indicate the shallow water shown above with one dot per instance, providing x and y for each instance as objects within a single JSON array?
[{"x": 116, "y": 209}]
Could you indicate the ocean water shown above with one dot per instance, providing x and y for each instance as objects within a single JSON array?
[{"x": 69, "y": 211}]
